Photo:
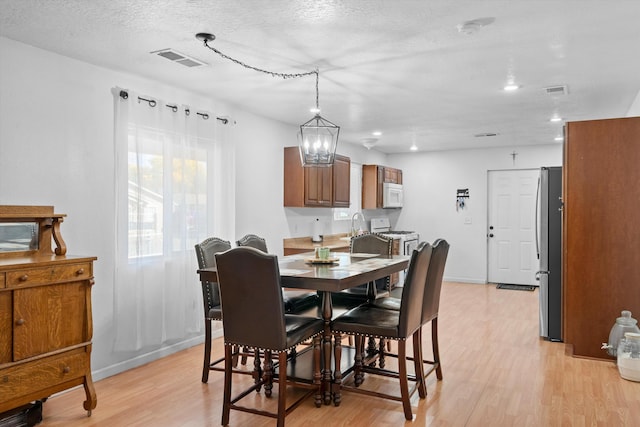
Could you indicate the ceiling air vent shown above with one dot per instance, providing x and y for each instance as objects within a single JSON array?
[
  {"x": 557, "y": 90},
  {"x": 178, "y": 57},
  {"x": 485, "y": 134}
]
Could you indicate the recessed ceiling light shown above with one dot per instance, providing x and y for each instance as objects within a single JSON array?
[
  {"x": 376, "y": 133},
  {"x": 555, "y": 119},
  {"x": 558, "y": 138},
  {"x": 413, "y": 147},
  {"x": 511, "y": 87}
]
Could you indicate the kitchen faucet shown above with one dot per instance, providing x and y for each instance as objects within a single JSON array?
[{"x": 353, "y": 220}]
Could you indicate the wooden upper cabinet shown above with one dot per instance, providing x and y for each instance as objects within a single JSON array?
[
  {"x": 316, "y": 186},
  {"x": 373, "y": 178}
]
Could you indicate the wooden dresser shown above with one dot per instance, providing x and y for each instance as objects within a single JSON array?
[{"x": 45, "y": 310}]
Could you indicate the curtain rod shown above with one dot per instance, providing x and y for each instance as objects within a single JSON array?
[{"x": 152, "y": 103}]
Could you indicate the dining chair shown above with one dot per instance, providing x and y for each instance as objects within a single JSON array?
[
  {"x": 430, "y": 303},
  {"x": 205, "y": 252},
  {"x": 296, "y": 301},
  {"x": 254, "y": 317},
  {"x": 399, "y": 325},
  {"x": 370, "y": 243}
]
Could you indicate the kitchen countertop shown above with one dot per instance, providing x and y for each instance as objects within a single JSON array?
[{"x": 333, "y": 242}]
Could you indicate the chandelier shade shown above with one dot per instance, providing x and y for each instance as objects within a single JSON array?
[{"x": 318, "y": 140}]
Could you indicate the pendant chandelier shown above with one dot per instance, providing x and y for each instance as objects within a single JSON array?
[{"x": 318, "y": 137}]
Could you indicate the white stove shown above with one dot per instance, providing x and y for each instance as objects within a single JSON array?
[{"x": 408, "y": 239}]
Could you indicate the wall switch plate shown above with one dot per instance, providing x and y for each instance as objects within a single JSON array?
[{"x": 467, "y": 220}]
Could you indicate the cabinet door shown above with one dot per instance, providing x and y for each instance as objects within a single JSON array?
[
  {"x": 48, "y": 318},
  {"x": 318, "y": 183},
  {"x": 5, "y": 327},
  {"x": 341, "y": 182}
]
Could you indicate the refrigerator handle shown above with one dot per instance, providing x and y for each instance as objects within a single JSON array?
[
  {"x": 538, "y": 273},
  {"x": 536, "y": 222}
]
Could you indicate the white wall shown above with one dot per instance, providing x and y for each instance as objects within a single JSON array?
[{"x": 430, "y": 183}]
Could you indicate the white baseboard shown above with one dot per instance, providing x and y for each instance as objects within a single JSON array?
[
  {"x": 150, "y": 357},
  {"x": 464, "y": 280}
]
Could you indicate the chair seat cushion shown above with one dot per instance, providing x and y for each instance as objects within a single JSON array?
[
  {"x": 297, "y": 300},
  {"x": 387, "y": 303},
  {"x": 215, "y": 313},
  {"x": 301, "y": 328},
  {"x": 368, "y": 320}
]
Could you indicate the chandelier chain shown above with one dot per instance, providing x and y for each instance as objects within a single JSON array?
[{"x": 271, "y": 73}]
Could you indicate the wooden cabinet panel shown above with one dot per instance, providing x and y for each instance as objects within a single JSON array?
[
  {"x": 601, "y": 273},
  {"x": 318, "y": 186},
  {"x": 315, "y": 186},
  {"x": 6, "y": 327},
  {"x": 62, "y": 326},
  {"x": 341, "y": 182}
]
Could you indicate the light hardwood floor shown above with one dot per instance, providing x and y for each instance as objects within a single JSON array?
[{"x": 497, "y": 372}]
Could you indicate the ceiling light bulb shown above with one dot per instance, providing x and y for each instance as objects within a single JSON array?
[{"x": 511, "y": 87}]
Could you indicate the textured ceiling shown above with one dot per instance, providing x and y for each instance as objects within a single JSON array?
[{"x": 398, "y": 66}]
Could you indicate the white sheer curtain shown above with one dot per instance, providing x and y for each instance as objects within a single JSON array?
[{"x": 174, "y": 188}]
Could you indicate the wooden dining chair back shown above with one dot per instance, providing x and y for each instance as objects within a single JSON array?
[
  {"x": 205, "y": 253},
  {"x": 253, "y": 317},
  {"x": 431, "y": 301},
  {"x": 399, "y": 325},
  {"x": 295, "y": 301}
]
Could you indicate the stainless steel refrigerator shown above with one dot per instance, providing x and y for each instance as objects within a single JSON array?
[{"x": 549, "y": 246}]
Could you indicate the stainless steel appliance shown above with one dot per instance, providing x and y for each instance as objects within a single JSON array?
[
  {"x": 408, "y": 239},
  {"x": 549, "y": 246}
]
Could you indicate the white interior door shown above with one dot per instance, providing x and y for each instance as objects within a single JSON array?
[{"x": 512, "y": 254}]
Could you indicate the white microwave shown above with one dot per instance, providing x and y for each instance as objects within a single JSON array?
[{"x": 391, "y": 195}]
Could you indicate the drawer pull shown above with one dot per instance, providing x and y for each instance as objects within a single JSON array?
[
  {"x": 66, "y": 370},
  {"x": 20, "y": 322},
  {"x": 24, "y": 278},
  {"x": 80, "y": 271}
]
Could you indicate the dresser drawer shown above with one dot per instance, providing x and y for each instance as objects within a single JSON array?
[
  {"x": 47, "y": 275},
  {"x": 33, "y": 376}
]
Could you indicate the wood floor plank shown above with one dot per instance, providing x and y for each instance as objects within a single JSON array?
[{"x": 497, "y": 372}]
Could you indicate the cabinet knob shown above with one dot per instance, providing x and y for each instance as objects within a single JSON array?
[
  {"x": 24, "y": 278},
  {"x": 80, "y": 271},
  {"x": 66, "y": 370},
  {"x": 20, "y": 322}
]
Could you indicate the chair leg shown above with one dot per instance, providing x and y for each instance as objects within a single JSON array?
[
  {"x": 236, "y": 352},
  {"x": 207, "y": 350},
  {"x": 268, "y": 373},
  {"x": 337, "y": 371},
  {"x": 317, "y": 373},
  {"x": 282, "y": 387},
  {"x": 358, "y": 376},
  {"x": 381, "y": 361},
  {"x": 402, "y": 376},
  {"x": 418, "y": 365},
  {"x": 257, "y": 370},
  {"x": 228, "y": 371},
  {"x": 243, "y": 359},
  {"x": 436, "y": 347}
]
